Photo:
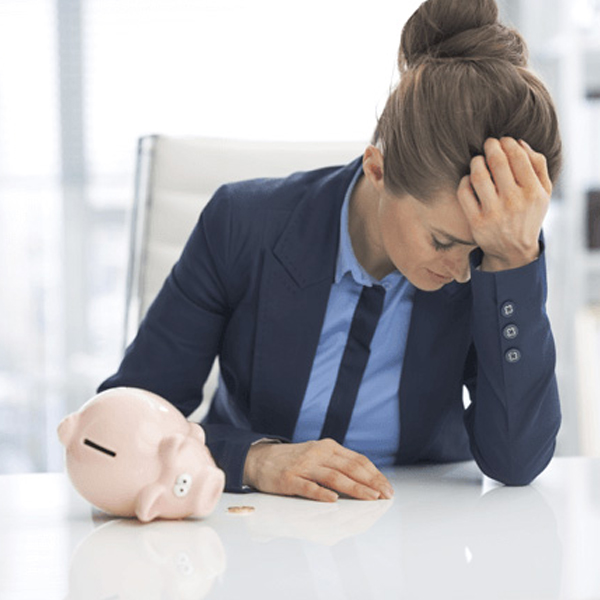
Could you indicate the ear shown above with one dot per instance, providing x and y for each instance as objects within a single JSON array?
[
  {"x": 169, "y": 447},
  {"x": 148, "y": 502},
  {"x": 197, "y": 432},
  {"x": 66, "y": 429},
  {"x": 373, "y": 167}
]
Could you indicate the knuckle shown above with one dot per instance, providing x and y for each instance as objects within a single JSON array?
[
  {"x": 328, "y": 445},
  {"x": 479, "y": 175},
  {"x": 495, "y": 146},
  {"x": 496, "y": 157},
  {"x": 354, "y": 464},
  {"x": 305, "y": 487},
  {"x": 512, "y": 205},
  {"x": 509, "y": 144},
  {"x": 358, "y": 490},
  {"x": 332, "y": 480},
  {"x": 360, "y": 464},
  {"x": 373, "y": 480},
  {"x": 516, "y": 153},
  {"x": 477, "y": 162},
  {"x": 363, "y": 461},
  {"x": 312, "y": 490},
  {"x": 312, "y": 449}
]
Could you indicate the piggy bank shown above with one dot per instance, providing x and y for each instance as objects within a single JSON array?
[{"x": 131, "y": 453}]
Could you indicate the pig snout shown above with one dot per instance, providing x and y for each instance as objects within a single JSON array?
[{"x": 211, "y": 483}]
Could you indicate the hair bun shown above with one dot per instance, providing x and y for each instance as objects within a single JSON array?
[{"x": 463, "y": 29}]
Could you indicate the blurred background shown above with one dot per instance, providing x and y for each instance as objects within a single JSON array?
[{"x": 82, "y": 80}]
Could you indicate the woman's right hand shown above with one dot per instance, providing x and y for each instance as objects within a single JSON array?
[{"x": 319, "y": 470}]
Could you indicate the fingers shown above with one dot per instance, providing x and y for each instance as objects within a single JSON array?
[
  {"x": 358, "y": 469},
  {"x": 540, "y": 166},
  {"x": 482, "y": 182},
  {"x": 319, "y": 470},
  {"x": 505, "y": 199},
  {"x": 338, "y": 481},
  {"x": 468, "y": 200},
  {"x": 311, "y": 490},
  {"x": 507, "y": 163},
  {"x": 519, "y": 163}
]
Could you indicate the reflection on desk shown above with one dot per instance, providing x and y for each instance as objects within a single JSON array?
[{"x": 449, "y": 532}]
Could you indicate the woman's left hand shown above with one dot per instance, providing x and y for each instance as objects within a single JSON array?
[{"x": 505, "y": 200}]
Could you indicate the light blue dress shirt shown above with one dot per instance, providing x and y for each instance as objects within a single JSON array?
[{"x": 375, "y": 424}]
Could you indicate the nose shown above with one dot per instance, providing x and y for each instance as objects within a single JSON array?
[{"x": 459, "y": 267}]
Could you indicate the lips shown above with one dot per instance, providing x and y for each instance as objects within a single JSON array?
[{"x": 440, "y": 277}]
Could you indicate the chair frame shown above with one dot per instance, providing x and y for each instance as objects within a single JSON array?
[{"x": 138, "y": 232}]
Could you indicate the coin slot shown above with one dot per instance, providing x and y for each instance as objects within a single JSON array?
[{"x": 99, "y": 448}]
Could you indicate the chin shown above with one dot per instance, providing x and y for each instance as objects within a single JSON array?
[
  {"x": 427, "y": 283},
  {"x": 430, "y": 287},
  {"x": 425, "y": 280}
]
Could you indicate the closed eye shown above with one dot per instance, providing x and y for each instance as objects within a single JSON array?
[{"x": 440, "y": 245}]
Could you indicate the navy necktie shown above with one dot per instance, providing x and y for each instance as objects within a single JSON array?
[{"x": 354, "y": 362}]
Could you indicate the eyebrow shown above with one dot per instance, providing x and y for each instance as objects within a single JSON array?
[{"x": 453, "y": 238}]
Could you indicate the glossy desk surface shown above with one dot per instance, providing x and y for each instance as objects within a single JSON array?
[{"x": 449, "y": 532}]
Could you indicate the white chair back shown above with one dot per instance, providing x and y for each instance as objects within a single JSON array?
[{"x": 176, "y": 177}]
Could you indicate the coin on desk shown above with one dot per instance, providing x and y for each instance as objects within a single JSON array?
[{"x": 241, "y": 510}]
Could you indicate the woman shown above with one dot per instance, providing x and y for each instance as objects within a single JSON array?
[{"x": 349, "y": 305}]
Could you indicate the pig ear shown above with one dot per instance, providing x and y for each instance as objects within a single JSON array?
[
  {"x": 197, "y": 431},
  {"x": 148, "y": 503},
  {"x": 169, "y": 447},
  {"x": 66, "y": 428}
]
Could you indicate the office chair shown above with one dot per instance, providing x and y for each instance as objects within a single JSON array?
[{"x": 175, "y": 178}]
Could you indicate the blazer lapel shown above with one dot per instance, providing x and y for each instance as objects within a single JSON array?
[
  {"x": 295, "y": 287},
  {"x": 431, "y": 381}
]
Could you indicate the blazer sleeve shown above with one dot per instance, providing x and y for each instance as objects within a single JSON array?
[
  {"x": 514, "y": 415},
  {"x": 181, "y": 334}
]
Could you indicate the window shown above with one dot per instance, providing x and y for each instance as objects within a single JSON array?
[{"x": 80, "y": 81}]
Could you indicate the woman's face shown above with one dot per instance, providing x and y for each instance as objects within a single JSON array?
[{"x": 429, "y": 243}]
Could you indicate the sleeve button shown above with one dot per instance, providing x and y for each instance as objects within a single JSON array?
[
  {"x": 508, "y": 309},
  {"x": 512, "y": 356},
  {"x": 510, "y": 332}
]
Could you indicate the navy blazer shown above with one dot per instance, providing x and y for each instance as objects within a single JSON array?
[{"x": 252, "y": 286}]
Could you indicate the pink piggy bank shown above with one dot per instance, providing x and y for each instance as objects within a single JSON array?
[{"x": 131, "y": 453}]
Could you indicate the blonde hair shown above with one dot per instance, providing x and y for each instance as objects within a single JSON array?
[{"x": 463, "y": 78}]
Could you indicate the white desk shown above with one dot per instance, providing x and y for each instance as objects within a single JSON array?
[{"x": 448, "y": 533}]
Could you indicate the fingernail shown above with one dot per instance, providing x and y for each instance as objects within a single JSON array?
[
  {"x": 524, "y": 143},
  {"x": 388, "y": 491}
]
